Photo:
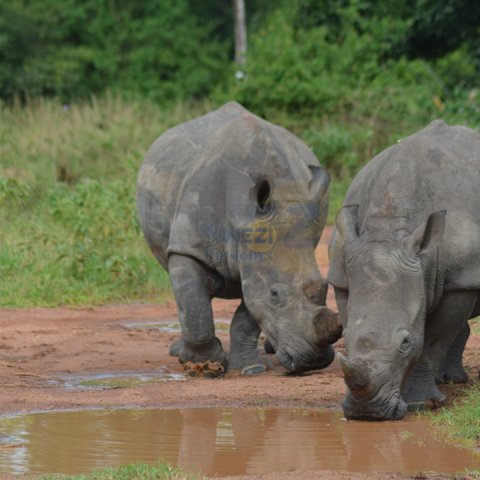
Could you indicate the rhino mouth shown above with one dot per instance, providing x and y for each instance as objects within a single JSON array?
[
  {"x": 381, "y": 407},
  {"x": 298, "y": 362}
]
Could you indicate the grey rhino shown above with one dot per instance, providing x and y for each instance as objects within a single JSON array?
[
  {"x": 233, "y": 207},
  {"x": 405, "y": 266}
]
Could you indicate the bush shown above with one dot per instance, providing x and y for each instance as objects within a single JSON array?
[
  {"x": 72, "y": 237},
  {"x": 161, "y": 49}
]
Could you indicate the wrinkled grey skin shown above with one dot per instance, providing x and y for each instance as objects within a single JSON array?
[
  {"x": 405, "y": 266},
  {"x": 202, "y": 186}
]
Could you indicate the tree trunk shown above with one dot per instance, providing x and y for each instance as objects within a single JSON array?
[{"x": 240, "y": 32}]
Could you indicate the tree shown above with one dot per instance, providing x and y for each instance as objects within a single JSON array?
[{"x": 240, "y": 32}]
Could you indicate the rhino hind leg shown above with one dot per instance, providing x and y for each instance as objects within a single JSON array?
[
  {"x": 444, "y": 328},
  {"x": 452, "y": 366},
  {"x": 244, "y": 333},
  {"x": 198, "y": 343}
]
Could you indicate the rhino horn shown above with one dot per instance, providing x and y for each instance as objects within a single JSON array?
[
  {"x": 328, "y": 325},
  {"x": 346, "y": 365},
  {"x": 356, "y": 377},
  {"x": 316, "y": 291}
]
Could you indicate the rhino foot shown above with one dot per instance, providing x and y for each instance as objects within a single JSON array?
[
  {"x": 452, "y": 370},
  {"x": 207, "y": 352},
  {"x": 254, "y": 370},
  {"x": 424, "y": 398},
  {"x": 176, "y": 348},
  {"x": 420, "y": 391},
  {"x": 452, "y": 375},
  {"x": 248, "y": 363}
]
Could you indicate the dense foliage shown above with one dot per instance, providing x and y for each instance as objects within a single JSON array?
[
  {"x": 72, "y": 48},
  {"x": 304, "y": 53}
]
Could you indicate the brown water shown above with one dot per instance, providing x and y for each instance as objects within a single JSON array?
[
  {"x": 113, "y": 380},
  {"x": 171, "y": 325},
  {"x": 223, "y": 441}
]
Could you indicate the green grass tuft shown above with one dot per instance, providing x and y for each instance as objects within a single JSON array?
[
  {"x": 132, "y": 472},
  {"x": 461, "y": 421}
]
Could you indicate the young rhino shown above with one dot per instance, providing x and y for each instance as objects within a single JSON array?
[
  {"x": 405, "y": 266},
  {"x": 233, "y": 207}
]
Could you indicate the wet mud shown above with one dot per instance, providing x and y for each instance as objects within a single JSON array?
[{"x": 224, "y": 441}]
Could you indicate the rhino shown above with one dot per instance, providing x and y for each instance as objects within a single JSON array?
[
  {"x": 405, "y": 267},
  {"x": 233, "y": 206}
]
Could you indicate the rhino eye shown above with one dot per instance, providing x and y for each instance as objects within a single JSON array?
[
  {"x": 274, "y": 296},
  {"x": 405, "y": 344},
  {"x": 264, "y": 198}
]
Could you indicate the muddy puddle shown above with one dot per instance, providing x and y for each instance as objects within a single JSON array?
[
  {"x": 223, "y": 441},
  {"x": 112, "y": 380},
  {"x": 171, "y": 325}
]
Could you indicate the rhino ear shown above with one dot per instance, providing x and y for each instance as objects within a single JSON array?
[
  {"x": 319, "y": 182},
  {"x": 347, "y": 223},
  {"x": 262, "y": 193},
  {"x": 427, "y": 235}
]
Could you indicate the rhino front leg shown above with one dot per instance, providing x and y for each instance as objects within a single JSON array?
[
  {"x": 452, "y": 369},
  {"x": 420, "y": 390},
  {"x": 442, "y": 329},
  {"x": 190, "y": 286},
  {"x": 244, "y": 333}
]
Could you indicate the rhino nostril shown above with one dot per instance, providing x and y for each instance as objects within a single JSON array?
[
  {"x": 360, "y": 387},
  {"x": 286, "y": 359},
  {"x": 359, "y": 391},
  {"x": 290, "y": 360},
  {"x": 399, "y": 410}
]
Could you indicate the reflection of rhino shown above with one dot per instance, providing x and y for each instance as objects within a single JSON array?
[
  {"x": 405, "y": 265},
  {"x": 233, "y": 207}
]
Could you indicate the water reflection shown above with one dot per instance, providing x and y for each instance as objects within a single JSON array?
[
  {"x": 171, "y": 325},
  {"x": 222, "y": 442}
]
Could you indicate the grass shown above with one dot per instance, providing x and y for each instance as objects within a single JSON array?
[
  {"x": 475, "y": 325},
  {"x": 69, "y": 233},
  {"x": 132, "y": 472},
  {"x": 460, "y": 423}
]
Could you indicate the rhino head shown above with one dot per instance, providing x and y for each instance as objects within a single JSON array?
[
  {"x": 387, "y": 284},
  {"x": 277, "y": 233}
]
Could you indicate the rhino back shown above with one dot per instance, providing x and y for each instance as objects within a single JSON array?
[
  {"x": 199, "y": 175},
  {"x": 437, "y": 168},
  {"x": 167, "y": 167}
]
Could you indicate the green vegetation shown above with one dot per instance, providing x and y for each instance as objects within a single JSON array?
[
  {"x": 67, "y": 193},
  {"x": 132, "y": 472},
  {"x": 460, "y": 422},
  {"x": 159, "y": 49}
]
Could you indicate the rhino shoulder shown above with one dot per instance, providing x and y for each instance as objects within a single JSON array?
[
  {"x": 460, "y": 251},
  {"x": 232, "y": 107},
  {"x": 436, "y": 126}
]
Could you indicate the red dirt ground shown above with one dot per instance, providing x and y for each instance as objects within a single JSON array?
[{"x": 39, "y": 345}]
